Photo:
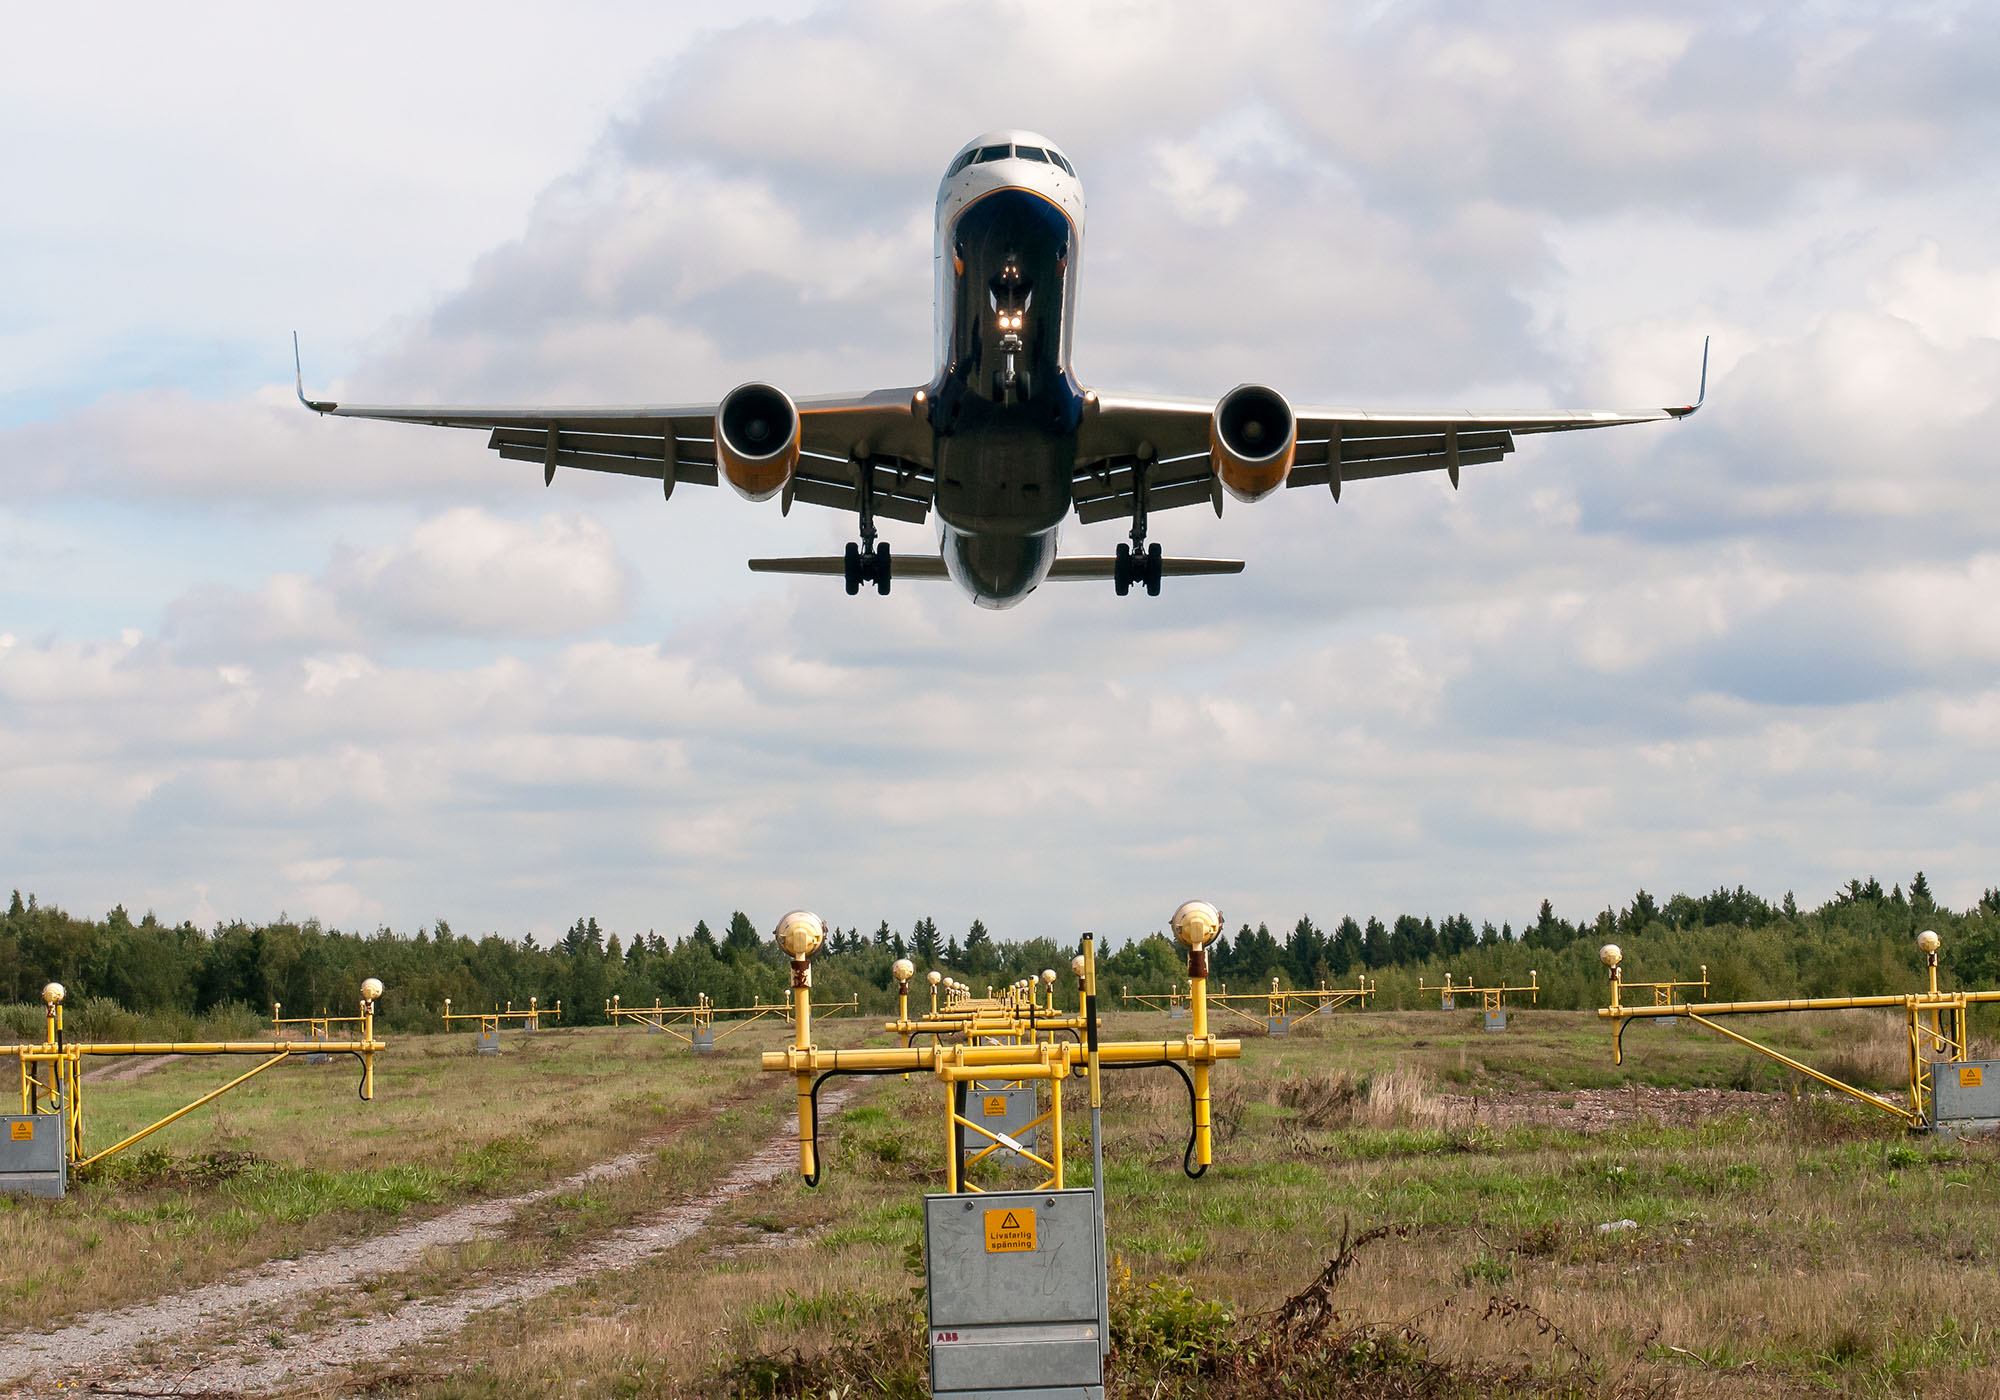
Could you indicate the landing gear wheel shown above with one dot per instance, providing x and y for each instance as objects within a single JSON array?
[
  {"x": 882, "y": 568},
  {"x": 853, "y": 563},
  {"x": 1121, "y": 572},
  {"x": 1153, "y": 571}
]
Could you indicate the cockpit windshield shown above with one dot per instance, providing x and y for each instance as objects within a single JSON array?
[{"x": 980, "y": 155}]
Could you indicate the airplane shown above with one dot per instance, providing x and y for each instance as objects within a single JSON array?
[{"x": 1004, "y": 441}]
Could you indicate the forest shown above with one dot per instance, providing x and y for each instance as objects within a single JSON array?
[{"x": 122, "y": 973}]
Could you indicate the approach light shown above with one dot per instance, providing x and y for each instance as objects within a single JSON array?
[
  {"x": 1611, "y": 955},
  {"x": 1929, "y": 941},
  {"x": 1197, "y": 924},
  {"x": 800, "y": 933},
  {"x": 936, "y": 977},
  {"x": 1048, "y": 977},
  {"x": 902, "y": 969},
  {"x": 371, "y": 989},
  {"x": 53, "y": 994}
]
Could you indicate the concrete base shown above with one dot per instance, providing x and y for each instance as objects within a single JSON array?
[
  {"x": 1277, "y": 1025},
  {"x": 1177, "y": 1013},
  {"x": 32, "y": 1162},
  {"x": 1496, "y": 1020},
  {"x": 489, "y": 1042},
  {"x": 703, "y": 1041}
]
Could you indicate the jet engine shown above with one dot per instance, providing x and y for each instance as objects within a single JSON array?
[
  {"x": 757, "y": 440},
  {"x": 1252, "y": 439}
]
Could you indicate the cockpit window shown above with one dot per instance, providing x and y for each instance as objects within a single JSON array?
[
  {"x": 964, "y": 159},
  {"x": 987, "y": 153},
  {"x": 1056, "y": 156},
  {"x": 1031, "y": 153}
]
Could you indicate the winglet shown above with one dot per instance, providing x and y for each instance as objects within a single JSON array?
[
  {"x": 299, "y": 380},
  {"x": 1700, "y": 394}
]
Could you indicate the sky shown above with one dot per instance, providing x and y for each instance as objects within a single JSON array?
[{"x": 255, "y": 662}]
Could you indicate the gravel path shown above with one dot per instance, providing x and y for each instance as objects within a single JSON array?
[
  {"x": 102, "y": 1339},
  {"x": 309, "y": 1357}
]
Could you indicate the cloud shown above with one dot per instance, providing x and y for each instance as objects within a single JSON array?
[
  {"x": 463, "y": 573},
  {"x": 1753, "y": 646}
]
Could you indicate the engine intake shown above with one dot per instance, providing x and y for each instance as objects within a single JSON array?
[
  {"x": 757, "y": 440},
  {"x": 1252, "y": 440}
]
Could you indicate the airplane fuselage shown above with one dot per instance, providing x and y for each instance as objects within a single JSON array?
[{"x": 1004, "y": 404}]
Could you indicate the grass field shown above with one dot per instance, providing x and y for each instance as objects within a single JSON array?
[{"x": 1774, "y": 1245}]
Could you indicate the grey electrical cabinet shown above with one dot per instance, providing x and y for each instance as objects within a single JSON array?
[
  {"x": 1966, "y": 1096},
  {"x": 32, "y": 1161},
  {"x": 1014, "y": 1280}
]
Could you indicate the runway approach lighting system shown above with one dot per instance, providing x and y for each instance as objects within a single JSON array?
[
  {"x": 491, "y": 1023},
  {"x": 1277, "y": 1011},
  {"x": 1016, "y": 1035},
  {"x": 45, "y": 1142},
  {"x": 694, "y": 1026},
  {"x": 1947, "y": 1088},
  {"x": 1493, "y": 1000},
  {"x": 1015, "y": 1279}
]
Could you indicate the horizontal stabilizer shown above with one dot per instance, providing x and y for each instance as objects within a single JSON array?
[
  {"x": 905, "y": 566},
  {"x": 1105, "y": 566},
  {"x": 920, "y": 566}
]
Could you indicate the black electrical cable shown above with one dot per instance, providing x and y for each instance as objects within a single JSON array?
[
  {"x": 1188, "y": 1169},
  {"x": 361, "y": 1089},
  {"x": 812, "y": 1100}
]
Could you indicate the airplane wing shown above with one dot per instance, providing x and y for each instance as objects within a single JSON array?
[
  {"x": 1335, "y": 446},
  {"x": 673, "y": 443}
]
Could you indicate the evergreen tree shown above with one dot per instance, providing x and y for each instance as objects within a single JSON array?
[
  {"x": 1375, "y": 944},
  {"x": 702, "y": 938},
  {"x": 979, "y": 949},
  {"x": 924, "y": 938},
  {"x": 742, "y": 940},
  {"x": 1920, "y": 894},
  {"x": 1305, "y": 950},
  {"x": 1344, "y": 948}
]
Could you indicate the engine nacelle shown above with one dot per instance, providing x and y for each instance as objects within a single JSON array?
[
  {"x": 757, "y": 440},
  {"x": 1251, "y": 441}
]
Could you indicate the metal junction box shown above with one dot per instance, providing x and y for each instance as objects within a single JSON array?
[
  {"x": 1277, "y": 1025},
  {"x": 1496, "y": 1018},
  {"x": 1966, "y": 1097},
  {"x": 1013, "y": 1296},
  {"x": 703, "y": 1040},
  {"x": 489, "y": 1042},
  {"x": 1000, "y": 1108},
  {"x": 32, "y": 1162}
]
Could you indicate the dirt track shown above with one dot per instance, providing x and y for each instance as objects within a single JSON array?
[{"x": 203, "y": 1325}]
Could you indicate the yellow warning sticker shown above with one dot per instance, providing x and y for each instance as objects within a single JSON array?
[
  {"x": 1010, "y": 1231},
  {"x": 1971, "y": 1077},
  {"x": 21, "y": 1132},
  {"x": 996, "y": 1105}
]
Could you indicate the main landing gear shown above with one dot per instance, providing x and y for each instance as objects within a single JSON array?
[
  {"x": 1138, "y": 562},
  {"x": 868, "y": 561}
]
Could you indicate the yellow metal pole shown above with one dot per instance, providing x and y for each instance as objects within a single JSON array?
[
  {"x": 180, "y": 1113},
  {"x": 800, "y": 934}
]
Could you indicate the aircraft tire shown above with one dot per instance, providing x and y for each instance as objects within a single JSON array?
[
  {"x": 853, "y": 563},
  {"x": 882, "y": 568},
  {"x": 1121, "y": 572},
  {"x": 1153, "y": 571}
]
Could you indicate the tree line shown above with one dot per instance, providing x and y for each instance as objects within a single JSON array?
[{"x": 1860, "y": 941}]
